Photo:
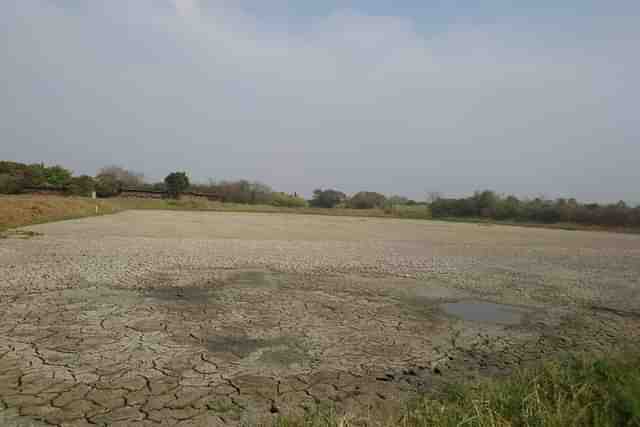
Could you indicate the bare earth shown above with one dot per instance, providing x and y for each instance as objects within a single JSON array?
[{"x": 188, "y": 318}]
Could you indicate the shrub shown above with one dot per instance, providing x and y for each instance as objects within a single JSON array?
[
  {"x": 107, "y": 186},
  {"x": 125, "y": 177},
  {"x": 287, "y": 200},
  {"x": 327, "y": 198},
  {"x": 57, "y": 175},
  {"x": 10, "y": 184},
  {"x": 80, "y": 186},
  {"x": 367, "y": 200}
]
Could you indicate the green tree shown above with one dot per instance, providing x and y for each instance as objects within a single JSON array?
[
  {"x": 57, "y": 175},
  {"x": 177, "y": 183}
]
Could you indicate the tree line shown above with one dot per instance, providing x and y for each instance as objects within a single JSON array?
[
  {"x": 490, "y": 205},
  {"x": 110, "y": 181}
]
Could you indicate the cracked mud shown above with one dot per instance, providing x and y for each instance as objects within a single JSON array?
[{"x": 184, "y": 318}]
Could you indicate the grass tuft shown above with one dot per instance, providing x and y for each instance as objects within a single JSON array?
[{"x": 575, "y": 391}]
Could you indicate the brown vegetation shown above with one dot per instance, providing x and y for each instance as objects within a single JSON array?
[{"x": 17, "y": 211}]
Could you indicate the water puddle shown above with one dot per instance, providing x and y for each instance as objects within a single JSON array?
[{"x": 482, "y": 311}]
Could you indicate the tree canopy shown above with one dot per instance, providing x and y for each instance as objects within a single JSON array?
[
  {"x": 177, "y": 183},
  {"x": 327, "y": 198}
]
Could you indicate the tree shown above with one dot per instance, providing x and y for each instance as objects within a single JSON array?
[
  {"x": 177, "y": 183},
  {"x": 107, "y": 186},
  {"x": 57, "y": 175},
  {"x": 327, "y": 198},
  {"x": 433, "y": 196},
  {"x": 367, "y": 200},
  {"x": 82, "y": 185},
  {"x": 125, "y": 177},
  {"x": 396, "y": 200},
  {"x": 9, "y": 184}
]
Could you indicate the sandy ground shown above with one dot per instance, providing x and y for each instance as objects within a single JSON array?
[{"x": 194, "y": 318}]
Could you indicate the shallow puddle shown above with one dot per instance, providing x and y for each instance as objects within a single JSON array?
[{"x": 482, "y": 311}]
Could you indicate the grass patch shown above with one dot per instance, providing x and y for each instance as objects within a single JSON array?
[{"x": 576, "y": 391}]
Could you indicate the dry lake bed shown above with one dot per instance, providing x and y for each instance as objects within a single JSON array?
[{"x": 193, "y": 318}]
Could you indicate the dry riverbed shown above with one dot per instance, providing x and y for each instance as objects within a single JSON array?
[{"x": 196, "y": 318}]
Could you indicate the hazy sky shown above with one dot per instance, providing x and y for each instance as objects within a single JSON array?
[{"x": 421, "y": 95}]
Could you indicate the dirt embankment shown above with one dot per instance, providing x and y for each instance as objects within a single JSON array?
[{"x": 18, "y": 211}]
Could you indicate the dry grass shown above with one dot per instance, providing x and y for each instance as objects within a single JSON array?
[
  {"x": 18, "y": 211},
  {"x": 398, "y": 212}
]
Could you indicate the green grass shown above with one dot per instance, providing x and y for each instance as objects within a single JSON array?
[{"x": 575, "y": 391}]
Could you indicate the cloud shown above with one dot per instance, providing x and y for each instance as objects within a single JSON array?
[{"x": 350, "y": 100}]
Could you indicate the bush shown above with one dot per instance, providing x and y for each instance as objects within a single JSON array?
[
  {"x": 367, "y": 200},
  {"x": 57, "y": 176},
  {"x": 10, "y": 184},
  {"x": 327, "y": 198},
  {"x": 489, "y": 205},
  {"x": 125, "y": 177},
  {"x": 80, "y": 186},
  {"x": 287, "y": 200},
  {"x": 412, "y": 212},
  {"x": 107, "y": 186},
  {"x": 242, "y": 191}
]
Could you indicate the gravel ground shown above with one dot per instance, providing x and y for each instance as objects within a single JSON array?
[{"x": 194, "y": 318}]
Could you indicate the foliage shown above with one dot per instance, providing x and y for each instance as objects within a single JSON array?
[
  {"x": 288, "y": 200},
  {"x": 409, "y": 211},
  {"x": 487, "y": 204},
  {"x": 367, "y": 200},
  {"x": 125, "y": 177},
  {"x": 9, "y": 184},
  {"x": 107, "y": 186},
  {"x": 327, "y": 198},
  {"x": 243, "y": 192},
  {"x": 83, "y": 185},
  {"x": 57, "y": 175},
  {"x": 396, "y": 200},
  {"x": 34, "y": 175},
  {"x": 177, "y": 183}
]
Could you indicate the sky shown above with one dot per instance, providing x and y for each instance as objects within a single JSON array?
[{"x": 405, "y": 97}]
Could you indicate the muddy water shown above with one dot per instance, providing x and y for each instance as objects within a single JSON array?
[{"x": 482, "y": 311}]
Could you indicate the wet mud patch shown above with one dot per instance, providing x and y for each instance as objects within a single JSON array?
[
  {"x": 254, "y": 279},
  {"x": 237, "y": 345},
  {"x": 278, "y": 352},
  {"x": 216, "y": 287},
  {"x": 486, "y": 312},
  {"x": 190, "y": 294}
]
